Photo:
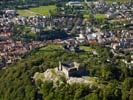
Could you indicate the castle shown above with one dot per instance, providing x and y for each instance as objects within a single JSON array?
[{"x": 72, "y": 69}]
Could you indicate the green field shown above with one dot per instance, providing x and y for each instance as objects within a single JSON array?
[
  {"x": 26, "y": 13},
  {"x": 100, "y": 16},
  {"x": 121, "y": 1},
  {"x": 51, "y": 47},
  {"x": 86, "y": 16},
  {"x": 86, "y": 48},
  {"x": 42, "y": 10}
]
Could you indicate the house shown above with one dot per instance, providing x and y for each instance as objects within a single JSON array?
[
  {"x": 115, "y": 45},
  {"x": 72, "y": 69},
  {"x": 11, "y": 12},
  {"x": 81, "y": 38},
  {"x": 91, "y": 36}
]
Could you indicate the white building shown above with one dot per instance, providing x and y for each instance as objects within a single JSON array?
[{"x": 75, "y": 3}]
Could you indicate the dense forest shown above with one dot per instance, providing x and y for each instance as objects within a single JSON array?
[{"x": 16, "y": 80}]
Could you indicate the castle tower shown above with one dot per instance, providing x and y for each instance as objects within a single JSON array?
[
  {"x": 60, "y": 66},
  {"x": 76, "y": 65}
]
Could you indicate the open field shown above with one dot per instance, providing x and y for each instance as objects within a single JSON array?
[
  {"x": 121, "y": 1},
  {"x": 86, "y": 16},
  {"x": 51, "y": 47},
  {"x": 100, "y": 16},
  {"x": 86, "y": 48},
  {"x": 26, "y": 13},
  {"x": 42, "y": 10}
]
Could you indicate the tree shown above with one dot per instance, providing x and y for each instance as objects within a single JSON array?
[
  {"x": 127, "y": 87},
  {"x": 131, "y": 94},
  {"x": 92, "y": 96},
  {"x": 112, "y": 92}
]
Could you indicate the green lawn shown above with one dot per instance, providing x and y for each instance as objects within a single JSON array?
[
  {"x": 121, "y": 1},
  {"x": 26, "y": 13},
  {"x": 86, "y": 16},
  {"x": 86, "y": 48},
  {"x": 51, "y": 47},
  {"x": 100, "y": 16},
  {"x": 42, "y": 10}
]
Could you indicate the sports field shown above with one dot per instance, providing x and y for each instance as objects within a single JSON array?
[{"x": 42, "y": 10}]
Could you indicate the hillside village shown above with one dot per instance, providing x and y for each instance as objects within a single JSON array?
[{"x": 63, "y": 27}]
